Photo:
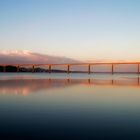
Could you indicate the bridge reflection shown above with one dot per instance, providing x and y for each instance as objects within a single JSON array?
[{"x": 27, "y": 86}]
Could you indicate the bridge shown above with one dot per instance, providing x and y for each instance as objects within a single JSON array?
[{"x": 70, "y": 65}]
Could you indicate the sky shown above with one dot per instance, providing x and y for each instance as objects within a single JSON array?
[{"x": 86, "y": 30}]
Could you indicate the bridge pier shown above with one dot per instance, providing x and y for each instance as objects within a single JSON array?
[
  {"x": 18, "y": 68},
  {"x": 33, "y": 69},
  {"x": 50, "y": 68},
  {"x": 4, "y": 68},
  {"x": 112, "y": 68},
  {"x": 68, "y": 70},
  {"x": 89, "y": 69},
  {"x": 138, "y": 69}
]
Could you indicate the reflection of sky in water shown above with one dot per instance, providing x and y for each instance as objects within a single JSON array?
[
  {"x": 63, "y": 76},
  {"x": 78, "y": 108}
]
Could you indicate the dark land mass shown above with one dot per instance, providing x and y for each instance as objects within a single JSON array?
[
  {"x": 38, "y": 69},
  {"x": 24, "y": 69},
  {"x": 41, "y": 70}
]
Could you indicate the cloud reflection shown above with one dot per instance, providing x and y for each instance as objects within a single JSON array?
[{"x": 27, "y": 86}]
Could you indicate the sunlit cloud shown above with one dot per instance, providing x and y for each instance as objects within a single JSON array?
[{"x": 27, "y": 57}]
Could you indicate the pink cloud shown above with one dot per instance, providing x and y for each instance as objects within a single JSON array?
[{"x": 26, "y": 57}]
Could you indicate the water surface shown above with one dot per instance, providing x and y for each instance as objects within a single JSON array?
[{"x": 74, "y": 106}]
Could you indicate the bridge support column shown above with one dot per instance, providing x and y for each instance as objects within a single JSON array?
[
  {"x": 18, "y": 68},
  {"x": 88, "y": 69},
  {"x": 50, "y": 68},
  {"x": 68, "y": 70},
  {"x": 138, "y": 69},
  {"x": 33, "y": 69},
  {"x": 4, "y": 68},
  {"x": 112, "y": 69}
]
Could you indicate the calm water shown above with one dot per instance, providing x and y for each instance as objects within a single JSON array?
[{"x": 74, "y": 106}]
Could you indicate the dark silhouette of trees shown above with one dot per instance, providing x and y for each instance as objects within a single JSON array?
[{"x": 8, "y": 68}]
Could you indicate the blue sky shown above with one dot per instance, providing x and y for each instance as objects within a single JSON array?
[{"x": 80, "y": 29}]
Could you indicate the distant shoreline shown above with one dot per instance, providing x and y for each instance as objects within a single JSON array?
[{"x": 14, "y": 69}]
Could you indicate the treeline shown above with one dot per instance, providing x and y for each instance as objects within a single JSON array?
[
  {"x": 24, "y": 69},
  {"x": 8, "y": 69},
  {"x": 37, "y": 69}
]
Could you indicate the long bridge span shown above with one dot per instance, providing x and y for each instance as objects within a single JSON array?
[{"x": 70, "y": 65}]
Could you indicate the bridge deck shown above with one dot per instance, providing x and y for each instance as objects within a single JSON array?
[{"x": 71, "y": 64}]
